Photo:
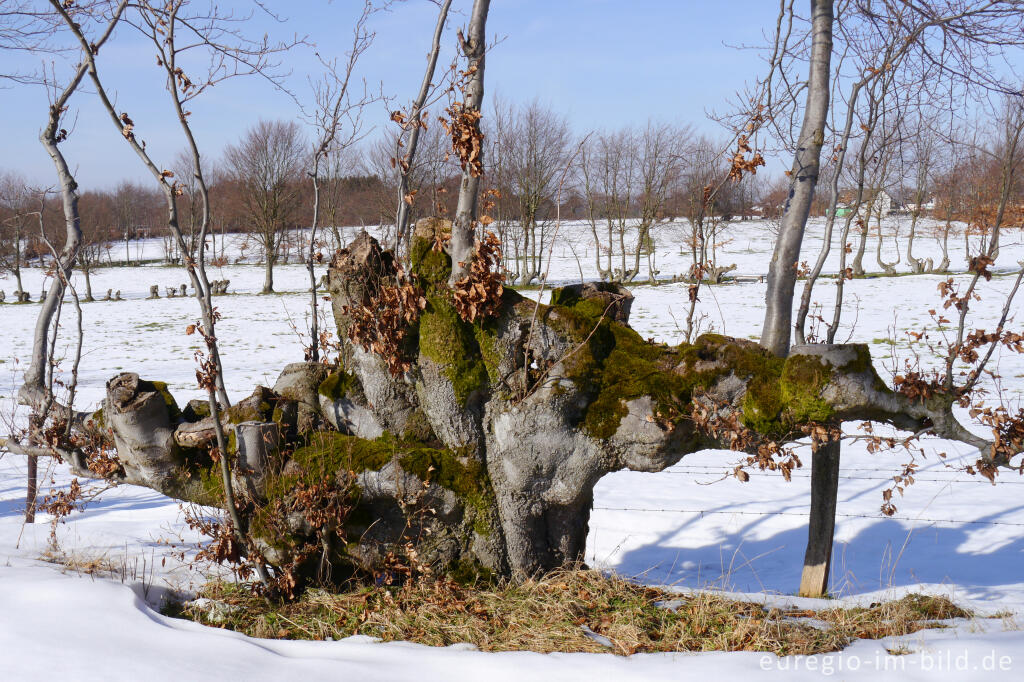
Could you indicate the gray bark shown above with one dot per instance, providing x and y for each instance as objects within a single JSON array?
[
  {"x": 36, "y": 390},
  {"x": 268, "y": 276},
  {"x": 88, "y": 284},
  {"x": 858, "y": 258},
  {"x": 916, "y": 264},
  {"x": 474, "y": 48},
  {"x": 888, "y": 268},
  {"x": 830, "y": 221},
  {"x": 775, "y": 335},
  {"x": 143, "y": 430},
  {"x": 943, "y": 265},
  {"x": 33, "y": 390}
]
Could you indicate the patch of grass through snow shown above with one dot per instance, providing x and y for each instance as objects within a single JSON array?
[{"x": 560, "y": 612}]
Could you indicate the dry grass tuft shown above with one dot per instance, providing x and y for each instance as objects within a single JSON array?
[
  {"x": 556, "y": 612},
  {"x": 99, "y": 565}
]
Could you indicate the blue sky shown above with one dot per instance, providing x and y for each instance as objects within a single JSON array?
[{"x": 601, "y": 63}]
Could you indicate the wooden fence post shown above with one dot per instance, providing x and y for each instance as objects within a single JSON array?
[{"x": 822, "y": 522}]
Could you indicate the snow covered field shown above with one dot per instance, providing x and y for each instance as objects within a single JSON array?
[{"x": 686, "y": 527}]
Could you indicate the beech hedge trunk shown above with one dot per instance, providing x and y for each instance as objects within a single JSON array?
[{"x": 482, "y": 457}]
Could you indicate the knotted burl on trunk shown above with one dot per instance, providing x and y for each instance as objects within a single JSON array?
[{"x": 483, "y": 454}]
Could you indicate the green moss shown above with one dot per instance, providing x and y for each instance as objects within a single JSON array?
[
  {"x": 803, "y": 378},
  {"x": 97, "y": 418},
  {"x": 468, "y": 572},
  {"x": 615, "y": 364},
  {"x": 326, "y": 453},
  {"x": 211, "y": 484},
  {"x": 565, "y": 297},
  {"x": 486, "y": 334},
  {"x": 463, "y": 476},
  {"x": 762, "y": 406},
  {"x": 418, "y": 428},
  {"x": 612, "y": 363},
  {"x": 861, "y": 361},
  {"x": 197, "y": 479},
  {"x": 432, "y": 267},
  {"x": 451, "y": 343},
  {"x": 775, "y": 404},
  {"x": 196, "y": 410},
  {"x": 161, "y": 387},
  {"x": 250, "y": 410},
  {"x": 336, "y": 385},
  {"x": 568, "y": 296},
  {"x": 631, "y": 369}
]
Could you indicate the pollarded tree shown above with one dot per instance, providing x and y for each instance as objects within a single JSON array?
[
  {"x": 268, "y": 163},
  {"x": 922, "y": 165},
  {"x": 474, "y": 430},
  {"x": 468, "y": 426}
]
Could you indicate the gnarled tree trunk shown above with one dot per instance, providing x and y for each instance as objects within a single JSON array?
[{"x": 484, "y": 452}]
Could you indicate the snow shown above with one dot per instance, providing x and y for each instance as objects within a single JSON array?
[{"x": 688, "y": 527}]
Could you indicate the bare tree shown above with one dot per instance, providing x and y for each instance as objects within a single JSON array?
[
  {"x": 428, "y": 180},
  {"x": 231, "y": 55},
  {"x": 97, "y": 219},
  {"x": 701, "y": 175},
  {"x": 919, "y": 159},
  {"x": 410, "y": 124},
  {"x": 28, "y": 27},
  {"x": 37, "y": 389},
  {"x": 890, "y": 36},
  {"x": 337, "y": 119},
  {"x": 608, "y": 168},
  {"x": 190, "y": 202},
  {"x": 978, "y": 31},
  {"x": 995, "y": 173},
  {"x": 515, "y": 414},
  {"x": 16, "y": 208},
  {"x": 268, "y": 163},
  {"x": 136, "y": 210},
  {"x": 534, "y": 144}
]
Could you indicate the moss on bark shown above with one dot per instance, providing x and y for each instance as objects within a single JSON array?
[
  {"x": 615, "y": 364},
  {"x": 336, "y": 385},
  {"x": 451, "y": 343},
  {"x": 173, "y": 412}
]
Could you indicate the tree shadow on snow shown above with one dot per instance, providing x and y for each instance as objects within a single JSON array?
[{"x": 883, "y": 553}]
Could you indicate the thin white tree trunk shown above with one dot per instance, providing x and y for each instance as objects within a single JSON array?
[
  {"x": 404, "y": 162},
  {"x": 474, "y": 48},
  {"x": 775, "y": 334}
]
